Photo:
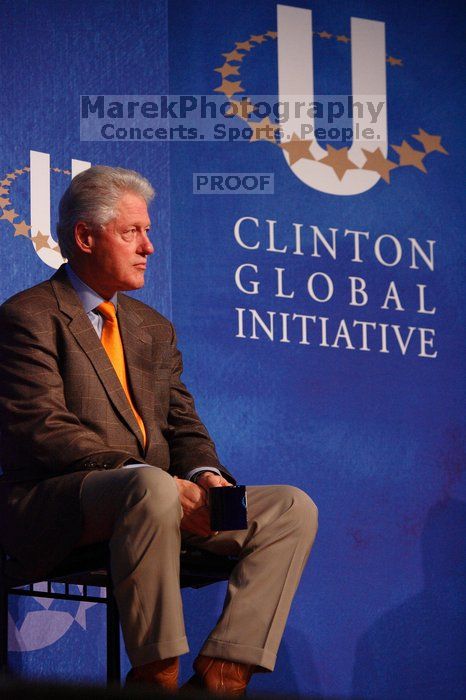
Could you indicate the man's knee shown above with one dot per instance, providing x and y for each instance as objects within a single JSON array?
[
  {"x": 153, "y": 490},
  {"x": 301, "y": 509}
]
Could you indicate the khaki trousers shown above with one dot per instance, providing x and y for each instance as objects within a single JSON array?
[{"x": 138, "y": 511}]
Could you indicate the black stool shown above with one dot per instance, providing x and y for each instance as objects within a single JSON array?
[{"x": 90, "y": 567}]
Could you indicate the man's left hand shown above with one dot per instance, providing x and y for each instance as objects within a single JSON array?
[{"x": 209, "y": 480}]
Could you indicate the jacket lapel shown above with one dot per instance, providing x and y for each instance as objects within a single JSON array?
[{"x": 85, "y": 335}]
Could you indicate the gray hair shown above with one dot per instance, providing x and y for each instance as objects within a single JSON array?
[{"x": 93, "y": 197}]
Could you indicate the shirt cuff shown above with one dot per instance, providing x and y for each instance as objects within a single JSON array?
[
  {"x": 136, "y": 464},
  {"x": 191, "y": 475}
]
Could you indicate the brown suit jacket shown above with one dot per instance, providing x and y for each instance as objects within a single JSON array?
[{"x": 63, "y": 412}]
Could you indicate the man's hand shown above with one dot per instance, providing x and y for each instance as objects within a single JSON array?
[
  {"x": 209, "y": 480},
  {"x": 193, "y": 499}
]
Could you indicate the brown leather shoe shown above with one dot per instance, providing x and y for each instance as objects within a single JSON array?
[
  {"x": 163, "y": 674},
  {"x": 220, "y": 677}
]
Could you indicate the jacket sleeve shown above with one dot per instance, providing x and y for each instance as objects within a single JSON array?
[
  {"x": 189, "y": 441},
  {"x": 38, "y": 432}
]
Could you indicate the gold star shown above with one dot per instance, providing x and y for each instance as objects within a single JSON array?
[
  {"x": 410, "y": 156},
  {"x": 325, "y": 35},
  {"x": 229, "y": 88},
  {"x": 263, "y": 130},
  {"x": 272, "y": 35},
  {"x": 26, "y": 169},
  {"x": 226, "y": 70},
  {"x": 297, "y": 149},
  {"x": 11, "y": 176},
  {"x": 9, "y": 215},
  {"x": 242, "y": 109},
  {"x": 376, "y": 161},
  {"x": 22, "y": 229},
  {"x": 234, "y": 56},
  {"x": 40, "y": 241},
  {"x": 394, "y": 61},
  {"x": 67, "y": 172},
  {"x": 3, "y": 190},
  {"x": 4, "y": 202},
  {"x": 56, "y": 170},
  {"x": 243, "y": 45},
  {"x": 258, "y": 38},
  {"x": 5, "y": 182},
  {"x": 430, "y": 142},
  {"x": 18, "y": 171},
  {"x": 339, "y": 161},
  {"x": 343, "y": 38}
]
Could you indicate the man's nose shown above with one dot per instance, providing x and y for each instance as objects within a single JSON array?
[{"x": 146, "y": 245}]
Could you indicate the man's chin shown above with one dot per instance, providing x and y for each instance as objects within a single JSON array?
[{"x": 136, "y": 282}]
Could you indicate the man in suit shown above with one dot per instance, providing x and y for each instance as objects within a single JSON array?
[{"x": 100, "y": 441}]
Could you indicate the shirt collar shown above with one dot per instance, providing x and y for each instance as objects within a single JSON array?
[{"x": 88, "y": 297}]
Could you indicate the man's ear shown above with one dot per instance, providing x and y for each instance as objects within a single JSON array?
[{"x": 83, "y": 237}]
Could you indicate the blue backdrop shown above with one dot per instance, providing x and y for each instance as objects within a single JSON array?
[{"x": 372, "y": 428}]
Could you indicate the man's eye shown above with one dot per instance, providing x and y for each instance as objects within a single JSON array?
[{"x": 129, "y": 234}]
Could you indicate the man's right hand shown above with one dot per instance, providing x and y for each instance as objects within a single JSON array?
[{"x": 193, "y": 499}]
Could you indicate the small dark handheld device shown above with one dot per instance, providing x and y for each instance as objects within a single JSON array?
[{"x": 228, "y": 508}]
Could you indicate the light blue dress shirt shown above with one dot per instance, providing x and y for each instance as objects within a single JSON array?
[{"x": 90, "y": 301}]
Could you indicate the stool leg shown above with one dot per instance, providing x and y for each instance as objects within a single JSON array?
[
  {"x": 3, "y": 628},
  {"x": 113, "y": 640}
]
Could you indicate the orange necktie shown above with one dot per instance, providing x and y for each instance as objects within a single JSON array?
[{"x": 111, "y": 340}]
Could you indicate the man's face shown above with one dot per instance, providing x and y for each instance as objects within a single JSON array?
[{"x": 119, "y": 251}]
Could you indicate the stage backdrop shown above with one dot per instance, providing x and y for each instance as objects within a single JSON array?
[{"x": 307, "y": 227}]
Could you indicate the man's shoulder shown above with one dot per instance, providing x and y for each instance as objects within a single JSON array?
[{"x": 29, "y": 301}]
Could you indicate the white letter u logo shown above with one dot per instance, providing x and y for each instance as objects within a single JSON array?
[
  {"x": 296, "y": 82},
  {"x": 40, "y": 204}
]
